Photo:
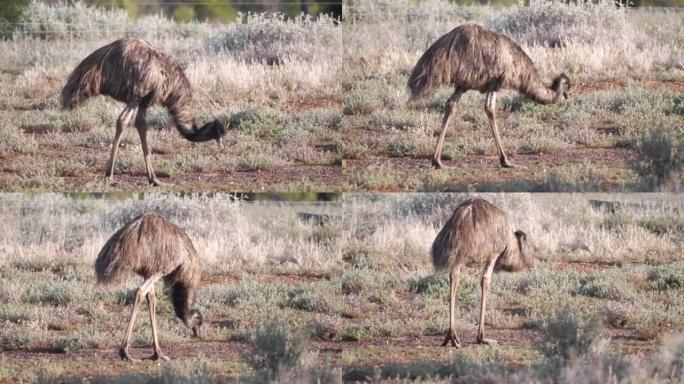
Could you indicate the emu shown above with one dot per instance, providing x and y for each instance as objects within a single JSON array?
[
  {"x": 472, "y": 57},
  {"x": 477, "y": 234},
  {"x": 155, "y": 249},
  {"x": 133, "y": 72}
]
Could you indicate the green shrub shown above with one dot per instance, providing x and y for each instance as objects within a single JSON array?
[
  {"x": 600, "y": 289},
  {"x": 570, "y": 335},
  {"x": 430, "y": 285},
  {"x": 11, "y": 12},
  {"x": 278, "y": 349},
  {"x": 14, "y": 340},
  {"x": 304, "y": 300},
  {"x": 261, "y": 122},
  {"x": 663, "y": 224},
  {"x": 360, "y": 102},
  {"x": 325, "y": 327},
  {"x": 399, "y": 148},
  {"x": 662, "y": 157},
  {"x": 552, "y": 23},
  {"x": 256, "y": 162},
  {"x": 398, "y": 119},
  {"x": 669, "y": 277},
  {"x": 68, "y": 344},
  {"x": 355, "y": 334},
  {"x": 57, "y": 293},
  {"x": 353, "y": 282}
]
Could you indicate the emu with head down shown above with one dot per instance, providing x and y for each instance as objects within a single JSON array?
[
  {"x": 133, "y": 72},
  {"x": 155, "y": 249},
  {"x": 477, "y": 234},
  {"x": 472, "y": 57}
]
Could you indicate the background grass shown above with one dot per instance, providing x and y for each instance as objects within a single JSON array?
[
  {"x": 273, "y": 78},
  {"x": 604, "y": 289},
  {"x": 625, "y": 64}
]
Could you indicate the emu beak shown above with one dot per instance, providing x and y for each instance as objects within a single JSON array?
[
  {"x": 565, "y": 94},
  {"x": 219, "y": 141},
  {"x": 195, "y": 331}
]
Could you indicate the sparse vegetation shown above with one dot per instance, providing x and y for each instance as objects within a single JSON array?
[
  {"x": 266, "y": 74},
  {"x": 623, "y": 83},
  {"x": 662, "y": 158},
  {"x": 593, "y": 266}
]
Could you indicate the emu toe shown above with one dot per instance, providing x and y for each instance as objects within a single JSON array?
[
  {"x": 452, "y": 339},
  {"x": 505, "y": 163},
  {"x": 155, "y": 182},
  {"x": 158, "y": 355},
  {"x": 123, "y": 353},
  {"x": 437, "y": 163}
]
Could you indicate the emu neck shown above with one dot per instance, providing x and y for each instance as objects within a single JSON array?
[
  {"x": 205, "y": 133},
  {"x": 539, "y": 92},
  {"x": 181, "y": 297}
]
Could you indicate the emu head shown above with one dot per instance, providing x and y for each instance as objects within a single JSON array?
[
  {"x": 561, "y": 85},
  {"x": 215, "y": 130},
  {"x": 193, "y": 320},
  {"x": 513, "y": 258}
]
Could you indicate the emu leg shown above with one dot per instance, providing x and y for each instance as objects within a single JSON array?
[
  {"x": 121, "y": 123},
  {"x": 486, "y": 277},
  {"x": 451, "y": 336},
  {"x": 142, "y": 291},
  {"x": 141, "y": 125},
  {"x": 449, "y": 109},
  {"x": 490, "y": 110},
  {"x": 152, "y": 306}
]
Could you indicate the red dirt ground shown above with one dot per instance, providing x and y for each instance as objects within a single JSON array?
[{"x": 489, "y": 170}]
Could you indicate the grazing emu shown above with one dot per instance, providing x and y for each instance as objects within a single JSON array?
[
  {"x": 135, "y": 73},
  {"x": 472, "y": 57},
  {"x": 477, "y": 234},
  {"x": 153, "y": 248}
]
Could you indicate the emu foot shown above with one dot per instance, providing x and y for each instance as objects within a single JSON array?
[
  {"x": 155, "y": 182},
  {"x": 451, "y": 338},
  {"x": 437, "y": 163},
  {"x": 505, "y": 163},
  {"x": 482, "y": 340},
  {"x": 123, "y": 353},
  {"x": 159, "y": 355}
]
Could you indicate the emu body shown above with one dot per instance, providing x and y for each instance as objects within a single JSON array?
[
  {"x": 155, "y": 249},
  {"x": 478, "y": 234},
  {"x": 133, "y": 72},
  {"x": 471, "y": 57}
]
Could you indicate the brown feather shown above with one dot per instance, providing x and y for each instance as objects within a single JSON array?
[
  {"x": 476, "y": 232},
  {"x": 150, "y": 245},
  {"x": 472, "y": 57},
  {"x": 133, "y": 72}
]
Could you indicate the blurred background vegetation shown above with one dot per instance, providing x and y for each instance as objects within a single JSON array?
[
  {"x": 226, "y": 11},
  {"x": 188, "y": 10}
]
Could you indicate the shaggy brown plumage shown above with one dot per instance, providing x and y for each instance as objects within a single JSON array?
[
  {"x": 477, "y": 234},
  {"x": 472, "y": 57},
  {"x": 153, "y": 248},
  {"x": 133, "y": 72}
]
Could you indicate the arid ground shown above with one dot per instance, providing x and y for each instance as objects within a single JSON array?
[
  {"x": 321, "y": 105},
  {"x": 604, "y": 294},
  {"x": 273, "y": 81},
  {"x": 345, "y": 290},
  {"x": 627, "y": 75},
  {"x": 263, "y": 263}
]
